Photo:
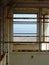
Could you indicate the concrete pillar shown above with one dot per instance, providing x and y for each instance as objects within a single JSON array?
[
  {"x": 0, "y": 35},
  {"x": 46, "y": 28},
  {"x": 10, "y": 33},
  {"x": 1, "y": 31},
  {"x": 40, "y": 27}
]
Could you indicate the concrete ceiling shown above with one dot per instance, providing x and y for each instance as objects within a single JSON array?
[
  {"x": 26, "y": 4},
  {"x": 20, "y": 3}
]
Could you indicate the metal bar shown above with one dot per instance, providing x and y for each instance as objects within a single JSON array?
[
  {"x": 21, "y": 42},
  {"x": 30, "y": 36},
  {"x": 29, "y": 50},
  {"x": 24, "y": 18},
  {"x": 24, "y": 33},
  {"x": 15, "y": 22}
]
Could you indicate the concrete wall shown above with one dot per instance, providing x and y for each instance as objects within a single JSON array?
[
  {"x": 26, "y": 46},
  {"x": 23, "y": 58},
  {"x": 29, "y": 58}
]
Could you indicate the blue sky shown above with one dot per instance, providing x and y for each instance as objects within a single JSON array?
[{"x": 26, "y": 28}]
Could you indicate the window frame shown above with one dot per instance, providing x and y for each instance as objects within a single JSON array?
[{"x": 38, "y": 41}]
